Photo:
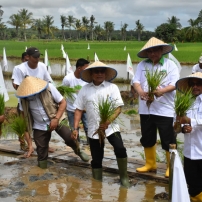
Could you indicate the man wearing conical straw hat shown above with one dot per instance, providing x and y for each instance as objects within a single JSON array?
[
  {"x": 159, "y": 115},
  {"x": 192, "y": 129},
  {"x": 43, "y": 106},
  {"x": 99, "y": 90}
]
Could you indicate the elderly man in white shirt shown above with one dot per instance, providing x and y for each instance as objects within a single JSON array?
[
  {"x": 192, "y": 129},
  {"x": 99, "y": 88},
  {"x": 159, "y": 115},
  {"x": 197, "y": 67}
]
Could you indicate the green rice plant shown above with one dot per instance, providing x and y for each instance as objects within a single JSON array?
[
  {"x": 130, "y": 112},
  {"x": 106, "y": 109},
  {"x": 67, "y": 92},
  {"x": 141, "y": 154},
  {"x": 154, "y": 79},
  {"x": 182, "y": 103},
  {"x": 158, "y": 159}
]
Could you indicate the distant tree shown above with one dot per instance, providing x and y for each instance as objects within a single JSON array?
[
  {"x": 139, "y": 28},
  {"x": 48, "y": 25},
  {"x": 26, "y": 19},
  {"x": 98, "y": 30},
  {"x": 78, "y": 27},
  {"x": 63, "y": 23},
  {"x": 92, "y": 22},
  {"x": 200, "y": 18},
  {"x": 70, "y": 23},
  {"x": 38, "y": 25},
  {"x": 123, "y": 31},
  {"x": 85, "y": 26},
  {"x": 109, "y": 28},
  {"x": 175, "y": 21},
  {"x": 193, "y": 30},
  {"x": 15, "y": 21}
]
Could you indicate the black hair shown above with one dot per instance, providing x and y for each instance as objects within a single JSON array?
[
  {"x": 81, "y": 62},
  {"x": 24, "y": 54}
]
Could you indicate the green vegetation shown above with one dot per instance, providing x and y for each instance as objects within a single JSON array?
[{"x": 130, "y": 112}]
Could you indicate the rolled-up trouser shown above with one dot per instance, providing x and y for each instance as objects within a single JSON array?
[
  {"x": 149, "y": 126},
  {"x": 42, "y": 139},
  {"x": 97, "y": 150}
]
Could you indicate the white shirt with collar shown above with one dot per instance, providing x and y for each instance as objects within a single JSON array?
[
  {"x": 196, "y": 68},
  {"x": 193, "y": 140},
  {"x": 89, "y": 97},
  {"x": 164, "y": 105}
]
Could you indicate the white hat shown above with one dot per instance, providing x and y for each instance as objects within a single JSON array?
[
  {"x": 110, "y": 73},
  {"x": 154, "y": 42},
  {"x": 200, "y": 60}
]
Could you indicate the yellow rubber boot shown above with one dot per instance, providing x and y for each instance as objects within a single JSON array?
[
  {"x": 197, "y": 198},
  {"x": 150, "y": 155},
  {"x": 168, "y": 163}
]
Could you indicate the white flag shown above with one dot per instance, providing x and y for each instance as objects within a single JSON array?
[
  {"x": 96, "y": 57},
  {"x": 64, "y": 55},
  {"x": 68, "y": 66},
  {"x": 179, "y": 189},
  {"x": 62, "y": 47},
  {"x": 3, "y": 89},
  {"x": 124, "y": 48},
  {"x": 171, "y": 57},
  {"x": 175, "y": 47},
  {"x": 47, "y": 63},
  {"x": 5, "y": 62},
  {"x": 129, "y": 66},
  {"x": 88, "y": 46},
  {"x": 25, "y": 48}
]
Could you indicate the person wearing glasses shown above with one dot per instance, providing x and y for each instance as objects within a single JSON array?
[
  {"x": 99, "y": 88},
  {"x": 158, "y": 117},
  {"x": 192, "y": 129}
]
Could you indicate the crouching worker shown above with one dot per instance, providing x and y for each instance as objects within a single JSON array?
[{"x": 43, "y": 107}]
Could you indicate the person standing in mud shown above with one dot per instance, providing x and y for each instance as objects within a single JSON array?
[
  {"x": 192, "y": 129},
  {"x": 98, "y": 75},
  {"x": 74, "y": 79},
  {"x": 44, "y": 109},
  {"x": 31, "y": 67},
  {"x": 158, "y": 117}
]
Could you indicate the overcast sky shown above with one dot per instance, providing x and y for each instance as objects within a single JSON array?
[{"x": 151, "y": 13}]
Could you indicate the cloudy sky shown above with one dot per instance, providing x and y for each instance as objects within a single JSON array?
[{"x": 151, "y": 13}]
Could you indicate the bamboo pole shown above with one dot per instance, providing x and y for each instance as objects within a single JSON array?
[{"x": 172, "y": 159}]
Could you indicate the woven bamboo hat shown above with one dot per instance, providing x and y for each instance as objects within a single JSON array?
[
  {"x": 110, "y": 73},
  {"x": 31, "y": 86},
  {"x": 183, "y": 84},
  {"x": 154, "y": 42}
]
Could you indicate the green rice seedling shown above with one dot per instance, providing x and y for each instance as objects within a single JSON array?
[
  {"x": 130, "y": 112},
  {"x": 154, "y": 79},
  {"x": 158, "y": 159},
  {"x": 141, "y": 154},
  {"x": 182, "y": 103},
  {"x": 105, "y": 108},
  {"x": 2, "y": 109},
  {"x": 67, "y": 92}
]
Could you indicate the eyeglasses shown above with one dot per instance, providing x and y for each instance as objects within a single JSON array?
[
  {"x": 192, "y": 84},
  {"x": 99, "y": 71}
]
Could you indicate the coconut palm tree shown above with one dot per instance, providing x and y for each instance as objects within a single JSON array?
[
  {"x": 26, "y": 19},
  {"x": 63, "y": 23},
  {"x": 78, "y": 27},
  {"x": 92, "y": 22},
  {"x": 48, "y": 22},
  {"x": 15, "y": 21},
  {"x": 38, "y": 25},
  {"x": 175, "y": 21},
  {"x": 98, "y": 30},
  {"x": 139, "y": 28},
  {"x": 193, "y": 30},
  {"x": 70, "y": 23},
  {"x": 123, "y": 31},
  {"x": 85, "y": 26},
  {"x": 109, "y": 28},
  {"x": 200, "y": 18}
]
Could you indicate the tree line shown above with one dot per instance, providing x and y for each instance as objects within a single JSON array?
[{"x": 25, "y": 26}]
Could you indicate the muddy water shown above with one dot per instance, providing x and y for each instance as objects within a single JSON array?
[{"x": 21, "y": 180}]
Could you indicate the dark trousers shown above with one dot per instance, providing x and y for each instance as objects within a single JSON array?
[
  {"x": 193, "y": 175},
  {"x": 42, "y": 138},
  {"x": 149, "y": 126},
  {"x": 97, "y": 150}
]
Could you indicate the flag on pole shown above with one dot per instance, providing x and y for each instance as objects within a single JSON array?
[
  {"x": 175, "y": 47},
  {"x": 47, "y": 63},
  {"x": 25, "y": 48},
  {"x": 124, "y": 48},
  {"x": 171, "y": 57},
  {"x": 129, "y": 66},
  {"x": 62, "y": 47},
  {"x": 68, "y": 68},
  {"x": 88, "y": 46},
  {"x": 96, "y": 57},
  {"x": 5, "y": 62},
  {"x": 3, "y": 89}
]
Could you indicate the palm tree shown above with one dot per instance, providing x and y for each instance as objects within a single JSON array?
[
  {"x": 15, "y": 21},
  {"x": 109, "y": 28},
  {"x": 98, "y": 30},
  {"x": 63, "y": 23},
  {"x": 92, "y": 22},
  {"x": 70, "y": 23},
  {"x": 85, "y": 26},
  {"x": 78, "y": 27},
  {"x": 48, "y": 22},
  {"x": 193, "y": 31},
  {"x": 200, "y": 18},
  {"x": 175, "y": 21},
  {"x": 26, "y": 19},
  {"x": 123, "y": 31},
  {"x": 38, "y": 25},
  {"x": 139, "y": 28}
]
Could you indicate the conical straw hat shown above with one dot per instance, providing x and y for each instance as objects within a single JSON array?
[
  {"x": 31, "y": 86},
  {"x": 154, "y": 42},
  {"x": 110, "y": 73},
  {"x": 183, "y": 84}
]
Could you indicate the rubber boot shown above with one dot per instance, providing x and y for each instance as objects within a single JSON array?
[
  {"x": 84, "y": 157},
  {"x": 42, "y": 164},
  {"x": 168, "y": 163},
  {"x": 97, "y": 173},
  {"x": 122, "y": 165},
  {"x": 197, "y": 198},
  {"x": 150, "y": 155}
]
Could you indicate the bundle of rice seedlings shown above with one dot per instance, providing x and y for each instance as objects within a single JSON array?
[
  {"x": 154, "y": 79},
  {"x": 182, "y": 103},
  {"x": 2, "y": 109},
  {"x": 106, "y": 108}
]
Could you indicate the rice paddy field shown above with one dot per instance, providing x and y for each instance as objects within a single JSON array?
[{"x": 110, "y": 52}]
